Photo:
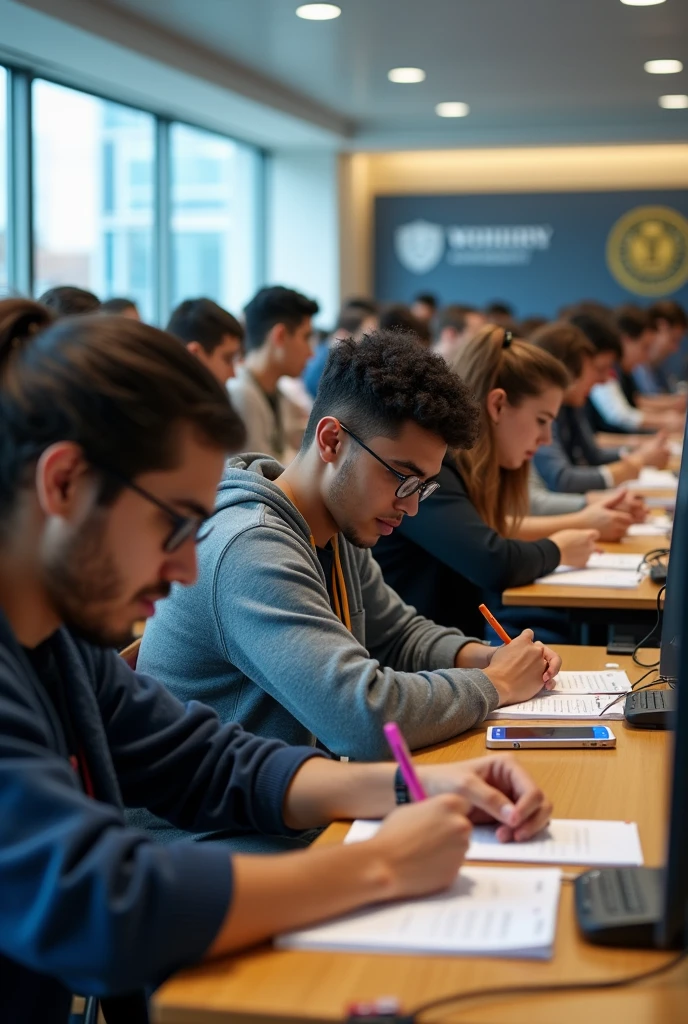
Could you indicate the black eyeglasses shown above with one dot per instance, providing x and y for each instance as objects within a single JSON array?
[
  {"x": 408, "y": 484},
  {"x": 183, "y": 527}
]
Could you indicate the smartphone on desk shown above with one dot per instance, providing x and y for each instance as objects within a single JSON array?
[{"x": 516, "y": 737}]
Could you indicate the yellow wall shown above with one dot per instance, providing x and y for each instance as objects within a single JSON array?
[{"x": 363, "y": 176}]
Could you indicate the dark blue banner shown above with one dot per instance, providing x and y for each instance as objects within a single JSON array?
[{"x": 536, "y": 251}]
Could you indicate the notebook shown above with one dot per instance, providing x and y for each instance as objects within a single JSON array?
[
  {"x": 501, "y": 912},
  {"x": 564, "y": 841},
  {"x": 609, "y": 681},
  {"x": 619, "y": 579}
]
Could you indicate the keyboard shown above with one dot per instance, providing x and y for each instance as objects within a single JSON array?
[
  {"x": 619, "y": 906},
  {"x": 650, "y": 709}
]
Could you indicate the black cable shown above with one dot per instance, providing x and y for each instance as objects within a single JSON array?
[
  {"x": 533, "y": 990},
  {"x": 634, "y": 688},
  {"x": 644, "y": 664}
]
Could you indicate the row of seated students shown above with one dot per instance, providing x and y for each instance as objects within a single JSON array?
[
  {"x": 114, "y": 439},
  {"x": 281, "y": 620}
]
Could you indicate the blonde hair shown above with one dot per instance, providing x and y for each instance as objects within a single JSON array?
[{"x": 492, "y": 359}]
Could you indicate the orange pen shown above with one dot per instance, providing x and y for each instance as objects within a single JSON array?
[{"x": 499, "y": 630}]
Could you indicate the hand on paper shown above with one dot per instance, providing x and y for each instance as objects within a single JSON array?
[
  {"x": 496, "y": 788},
  {"x": 520, "y": 669}
]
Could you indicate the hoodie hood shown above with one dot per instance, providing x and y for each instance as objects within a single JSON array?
[{"x": 248, "y": 479}]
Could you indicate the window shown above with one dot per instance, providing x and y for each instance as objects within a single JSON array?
[
  {"x": 3, "y": 181},
  {"x": 213, "y": 199},
  {"x": 93, "y": 195}
]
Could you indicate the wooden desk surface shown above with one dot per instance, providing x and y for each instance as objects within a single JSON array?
[
  {"x": 627, "y": 783},
  {"x": 549, "y": 595}
]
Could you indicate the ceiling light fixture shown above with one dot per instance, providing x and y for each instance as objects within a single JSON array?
[
  {"x": 452, "y": 109},
  {"x": 677, "y": 102},
  {"x": 406, "y": 76},
  {"x": 318, "y": 12},
  {"x": 663, "y": 67},
  {"x": 641, "y": 3}
]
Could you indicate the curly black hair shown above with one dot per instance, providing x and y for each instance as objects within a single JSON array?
[{"x": 388, "y": 378}]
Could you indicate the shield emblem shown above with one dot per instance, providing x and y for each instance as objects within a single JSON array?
[{"x": 419, "y": 246}]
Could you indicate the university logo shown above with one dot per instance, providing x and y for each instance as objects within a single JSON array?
[
  {"x": 647, "y": 250},
  {"x": 419, "y": 245}
]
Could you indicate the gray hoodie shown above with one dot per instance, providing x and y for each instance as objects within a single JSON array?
[{"x": 256, "y": 637}]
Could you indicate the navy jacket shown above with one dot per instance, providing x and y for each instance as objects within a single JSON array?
[
  {"x": 570, "y": 464},
  {"x": 87, "y": 904},
  {"x": 446, "y": 560}
]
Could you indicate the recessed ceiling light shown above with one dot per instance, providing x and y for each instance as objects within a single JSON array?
[
  {"x": 663, "y": 67},
  {"x": 641, "y": 3},
  {"x": 318, "y": 12},
  {"x": 452, "y": 109},
  {"x": 677, "y": 102},
  {"x": 406, "y": 76}
]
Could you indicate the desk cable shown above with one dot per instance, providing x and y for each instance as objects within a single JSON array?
[
  {"x": 649, "y": 556},
  {"x": 534, "y": 990}
]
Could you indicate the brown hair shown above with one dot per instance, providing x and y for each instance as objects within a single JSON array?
[
  {"x": 492, "y": 360},
  {"x": 118, "y": 388},
  {"x": 567, "y": 343}
]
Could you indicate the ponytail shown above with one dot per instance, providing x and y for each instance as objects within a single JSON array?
[{"x": 20, "y": 321}]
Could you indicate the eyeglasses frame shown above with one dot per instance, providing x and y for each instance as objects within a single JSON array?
[{"x": 424, "y": 487}]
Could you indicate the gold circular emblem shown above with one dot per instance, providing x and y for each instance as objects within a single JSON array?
[{"x": 647, "y": 250}]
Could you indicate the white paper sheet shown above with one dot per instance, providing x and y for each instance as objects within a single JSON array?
[
  {"x": 552, "y": 705},
  {"x": 654, "y": 479},
  {"x": 564, "y": 841},
  {"x": 609, "y": 681},
  {"x": 506, "y": 912},
  {"x": 605, "y": 560},
  {"x": 659, "y": 527},
  {"x": 616, "y": 578}
]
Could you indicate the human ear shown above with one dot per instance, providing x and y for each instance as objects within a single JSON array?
[
  {"x": 328, "y": 435},
  {"x": 60, "y": 470},
  {"x": 495, "y": 403}
]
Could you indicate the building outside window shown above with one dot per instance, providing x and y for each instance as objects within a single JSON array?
[{"x": 94, "y": 164}]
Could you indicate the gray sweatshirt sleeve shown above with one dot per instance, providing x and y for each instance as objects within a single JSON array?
[
  {"x": 544, "y": 502},
  {"x": 277, "y": 628}
]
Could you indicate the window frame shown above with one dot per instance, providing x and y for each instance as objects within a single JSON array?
[{"x": 21, "y": 238}]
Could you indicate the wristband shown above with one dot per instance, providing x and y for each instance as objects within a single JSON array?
[{"x": 401, "y": 792}]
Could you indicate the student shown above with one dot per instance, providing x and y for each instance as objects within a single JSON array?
[
  {"x": 211, "y": 334},
  {"x": 68, "y": 300},
  {"x": 424, "y": 308},
  {"x": 121, "y": 307},
  {"x": 616, "y": 401},
  {"x": 101, "y": 505},
  {"x": 400, "y": 318},
  {"x": 654, "y": 380},
  {"x": 573, "y": 462},
  {"x": 455, "y": 326},
  {"x": 290, "y": 627},
  {"x": 355, "y": 320},
  {"x": 463, "y": 547},
  {"x": 278, "y": 336}
]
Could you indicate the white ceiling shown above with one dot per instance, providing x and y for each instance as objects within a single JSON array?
[{"x": 533, "y": 71}]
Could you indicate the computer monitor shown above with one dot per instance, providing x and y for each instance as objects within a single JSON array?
[
  {"x": 671, "y": 929},
  {"x": 673, "y": 622}
]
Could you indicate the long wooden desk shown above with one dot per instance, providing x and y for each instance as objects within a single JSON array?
[{"x": 629, "y": 783}]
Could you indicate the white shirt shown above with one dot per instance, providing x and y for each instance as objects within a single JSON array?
[{"x": 610, "y": 402}]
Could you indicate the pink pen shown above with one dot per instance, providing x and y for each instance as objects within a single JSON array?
[{"x": 397, "y": 744}]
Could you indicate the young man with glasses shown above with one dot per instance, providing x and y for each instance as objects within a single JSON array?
[
  {"x": 113, "y": 440},
  {"x": 291, "y": 628}
]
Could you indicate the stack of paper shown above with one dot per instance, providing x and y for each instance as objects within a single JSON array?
[
  {"x": 557, "y": 705},
  {"x": 616, "y": 578},
  {"x": 658, "y": 526},
  {"x": 654, "y": 479},
  {"x": 507, "y": 912},
  {"x": 609, "y": 681},
  {"x": 564, "y": 841}
]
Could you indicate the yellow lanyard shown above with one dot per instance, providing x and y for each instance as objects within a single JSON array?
[{"x": 339, "y": 594}]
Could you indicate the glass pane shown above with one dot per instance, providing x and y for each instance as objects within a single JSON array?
[
  {"x": 214, "y": 223},
  {"x": 93, "y": 195},
  {"x": 3, "y": 180}
]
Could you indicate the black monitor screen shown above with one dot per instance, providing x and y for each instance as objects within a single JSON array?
[
  {"x": 671, "y": 930},
  {"x": 672, "y": 621}
]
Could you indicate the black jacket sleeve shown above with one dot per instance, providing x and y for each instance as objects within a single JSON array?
[{"x": 450, "y": 529}]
